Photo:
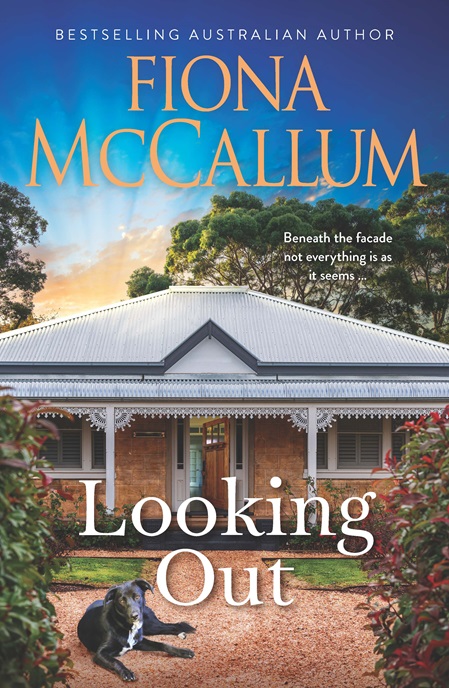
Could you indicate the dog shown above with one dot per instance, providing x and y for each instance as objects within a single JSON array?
[{"x": 117, "y": 624}]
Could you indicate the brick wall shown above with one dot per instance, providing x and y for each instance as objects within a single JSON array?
[
  {"x": 140, "y": 469},
  {"x": 347, "y": 488},
  {"x": 140, "y": 465},
  {"x": 279, "y": 449},
  {"x": 77, "y": 489}
]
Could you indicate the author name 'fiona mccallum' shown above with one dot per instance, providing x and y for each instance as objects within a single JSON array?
[{"x": 231, "y": 34}]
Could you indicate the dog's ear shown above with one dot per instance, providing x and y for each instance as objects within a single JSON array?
[
  {"x": 110, "y": 594},
  {"x": 144, "y": 585}
]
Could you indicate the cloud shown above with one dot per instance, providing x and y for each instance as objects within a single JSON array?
[
  {"x": 52, "y": 254},
  {"x": 323, "y": 189},
  {"x": 97, "y": 279}
]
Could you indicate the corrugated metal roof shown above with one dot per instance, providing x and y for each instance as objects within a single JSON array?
[
  {"x": 274, "y": 330},
  {"x": 232, "y": 389}
]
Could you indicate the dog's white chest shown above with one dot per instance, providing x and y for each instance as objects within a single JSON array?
[{"x": 132, "y": 639}]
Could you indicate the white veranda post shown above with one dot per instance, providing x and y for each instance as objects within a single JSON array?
[
  {"x": 312, "y": 455},
  {"x": 110, "y": 457}
]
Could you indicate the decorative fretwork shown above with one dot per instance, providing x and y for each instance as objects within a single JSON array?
[
  {"x": 95, "y": 415},
  {"x": 125, "y": 416},
  {"x": 297, "y": 416},
  {"x": 386, "y": 412},
  {"x": 299, "y": 419},
  {"x": 324, "y": 418}
]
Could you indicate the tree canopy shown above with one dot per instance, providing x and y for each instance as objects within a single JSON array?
[
  {"x": 241, "y": 241},
  {"x": 145, "y": 280},
  {"x": 21, "y": 277},
  {"x": 413, "y": 294},
  {"x": 403, "y": 284}
]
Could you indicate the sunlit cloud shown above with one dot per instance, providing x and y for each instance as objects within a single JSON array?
[
  {"x": 323, "y": 189},
  {"x": 99, "y": 279}
]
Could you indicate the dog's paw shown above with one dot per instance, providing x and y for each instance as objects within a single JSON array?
[
  {"x": 127, "y": 675},
  {"x": 182, "y": 635},
  {"x": 184, "y": 627},
  {"x": 186, "y": 654}
]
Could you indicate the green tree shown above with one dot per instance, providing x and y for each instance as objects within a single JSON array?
[
  {"x": 146, "y": 281},
  {"x": 413, "y": 294},
  {"x": 241, "y": 241},
  {"x": 21, "y": 277},
  {"x": 403, "y": 284}
]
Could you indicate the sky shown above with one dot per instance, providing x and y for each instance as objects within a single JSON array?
[{"x": 97, "y": 235}]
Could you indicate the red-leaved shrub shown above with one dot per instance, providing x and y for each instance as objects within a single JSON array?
[{"x": 410, "y": 610}]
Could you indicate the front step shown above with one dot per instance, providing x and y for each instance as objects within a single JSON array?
[{"x": 175, "y": 538}]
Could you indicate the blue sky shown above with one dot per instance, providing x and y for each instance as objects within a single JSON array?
[{"x": 97, "y": 236}]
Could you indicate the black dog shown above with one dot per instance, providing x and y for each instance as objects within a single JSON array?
[{"x": 117, "y": 624}]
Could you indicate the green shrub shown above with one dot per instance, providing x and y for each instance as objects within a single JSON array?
[
  {"x": 314, "y": 542},
  {"x": 68, "y": 525},
  {"x": 376, "y": 523},
  {"x": 410, "y": 614},
  {"x": 30, "y": 649}
]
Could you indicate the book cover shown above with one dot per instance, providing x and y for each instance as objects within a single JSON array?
[{"x": 223, "y": 278}]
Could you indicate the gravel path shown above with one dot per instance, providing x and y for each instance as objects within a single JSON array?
[{"x": 316, "y": 642}]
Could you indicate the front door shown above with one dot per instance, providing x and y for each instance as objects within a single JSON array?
[{"x": 216, "y": 461}]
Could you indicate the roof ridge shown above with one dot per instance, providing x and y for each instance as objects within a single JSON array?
[
  {"x": 198, "y": 288},
  {"x": 83, "y": 314}
]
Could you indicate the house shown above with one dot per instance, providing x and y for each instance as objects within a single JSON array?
[{"x": 173, "y": 391}]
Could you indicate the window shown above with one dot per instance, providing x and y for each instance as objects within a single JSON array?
[
  {"x": 98, "y": 449},
  {"x": 359, "y": 443},
  {"x": 65, "y": 452},
  {"x": 398, "y": 439},
  {"x": 321, "y": 450},
  {"x": 79, "y": 447},
  {"x": 180, "y": 443},
  {"x": 239, "y": 444},
  {"x": 354, "y": 446}
]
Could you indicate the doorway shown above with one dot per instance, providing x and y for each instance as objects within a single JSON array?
[
  {"x": 205, "y": 450},
  {"x": 215, "y": 454}
]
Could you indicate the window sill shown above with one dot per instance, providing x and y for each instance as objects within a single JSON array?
[
  {"x": 79, "y": 474},
  {"x": 355, "y": 474}
]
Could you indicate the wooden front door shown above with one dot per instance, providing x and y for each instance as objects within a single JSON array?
[{"x": 216, "y": 461}]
